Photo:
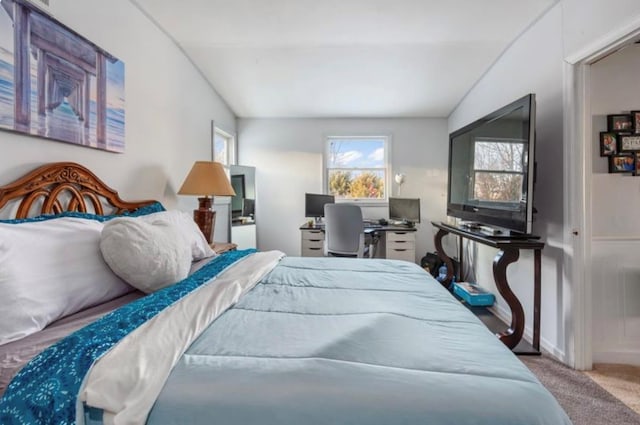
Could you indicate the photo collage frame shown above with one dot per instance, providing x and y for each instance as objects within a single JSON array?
[{"x": 621, "y": 143}]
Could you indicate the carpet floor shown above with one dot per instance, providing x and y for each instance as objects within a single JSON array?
[
  {"x": 586, "y": 402},
  {"x": 623, "y": 381}
]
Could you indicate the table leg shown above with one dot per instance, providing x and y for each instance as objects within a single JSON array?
[
  {"x": 536, "y": 299},
  {"x": 512, "y": 336}
]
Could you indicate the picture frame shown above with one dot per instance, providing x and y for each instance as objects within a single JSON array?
[
  {"x": 608, "y": 143},
  {"x": 635, "y": 118},
  {"x": 619, "y": 122},
  {"x": 628, "y": 142},
  {"x": 622, "y": 163},
  {"x": 58, "y": 85},
  {"x": 637, "y": 161}
]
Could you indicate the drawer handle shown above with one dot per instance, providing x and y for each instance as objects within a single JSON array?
[
  {"x": 315, "y": 240},
  {"x": 400, "y": 241},
  {"x": 400, "y": 250},
  {"x": 314, "y": 249}
]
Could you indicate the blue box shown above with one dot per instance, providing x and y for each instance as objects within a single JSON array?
[{"x": 473, "y": 294}]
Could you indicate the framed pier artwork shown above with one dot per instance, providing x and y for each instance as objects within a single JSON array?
[{"x": 56, "y": 84}]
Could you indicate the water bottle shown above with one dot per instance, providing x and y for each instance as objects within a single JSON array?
[{"x": 442, "y": 273}]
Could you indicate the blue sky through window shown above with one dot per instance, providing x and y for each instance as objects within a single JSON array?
[{"x": 356, "y": 153}]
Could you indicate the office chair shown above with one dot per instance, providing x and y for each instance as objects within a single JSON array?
[{"x": 343, "y": 231}]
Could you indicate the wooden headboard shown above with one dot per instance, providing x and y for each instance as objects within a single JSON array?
[{"x": 63, "y": 186}]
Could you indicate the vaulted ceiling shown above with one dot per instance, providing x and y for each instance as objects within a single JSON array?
[{"x": 343, "y": 58}]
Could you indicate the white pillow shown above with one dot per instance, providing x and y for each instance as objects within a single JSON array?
[
  {"x": 50, "y": 269},
  {"x": 148, "y": 256},
  {"x": 187, "y": 227}
]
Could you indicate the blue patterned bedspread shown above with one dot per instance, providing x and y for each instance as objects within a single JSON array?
[
  {"x": 45, "y": 390},
  {"x": 345, "y": 341}
]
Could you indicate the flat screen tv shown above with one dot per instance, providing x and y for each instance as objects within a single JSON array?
[{"x": 491, "y": 169}]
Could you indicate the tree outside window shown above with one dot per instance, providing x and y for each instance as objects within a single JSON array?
[{"x": 357, "y": 167}]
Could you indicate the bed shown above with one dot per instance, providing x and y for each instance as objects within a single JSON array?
[{"x": 255, "y": 338}]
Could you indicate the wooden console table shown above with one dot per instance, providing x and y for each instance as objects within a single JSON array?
[{"x": 509, "y": 252}]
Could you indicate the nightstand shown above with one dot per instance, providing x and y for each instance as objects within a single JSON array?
[{"x": 220, "y": 247}]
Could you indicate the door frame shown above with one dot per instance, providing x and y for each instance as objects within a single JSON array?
[{"x": 578, "y": 182}]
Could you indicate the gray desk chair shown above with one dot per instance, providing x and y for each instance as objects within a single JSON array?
[{"x": 343, "y": 231}]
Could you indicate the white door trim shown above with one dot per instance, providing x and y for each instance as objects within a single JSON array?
[{"x": 606, "y": 44}]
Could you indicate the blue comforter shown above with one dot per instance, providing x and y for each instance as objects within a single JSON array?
[{"x": 347, "y": 341}]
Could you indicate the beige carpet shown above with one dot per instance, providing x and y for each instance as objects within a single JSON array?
[
  {"x": 621, "y": 381},
  {"x": 585, "y": 401}
]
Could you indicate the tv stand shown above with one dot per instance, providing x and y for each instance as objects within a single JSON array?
[{"x": 508, "y": 252}]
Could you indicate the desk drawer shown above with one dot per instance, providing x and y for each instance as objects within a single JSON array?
[
  {"x": 312, "y": 235},
  {"x": 401, "y": 236},
  {"x": 312, "y": 252},
  {"x": 402, "y": 254},
  {"x": 391, "y": 244},
  {"x": 308, "y": 243}
]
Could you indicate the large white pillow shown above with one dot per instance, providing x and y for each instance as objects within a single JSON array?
[
  {"x": 148, "y": 256},
  {"x": 50, "y": 269},
  {"x": 187, "y": 227}
]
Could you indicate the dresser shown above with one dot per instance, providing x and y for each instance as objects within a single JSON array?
[
  {"x": 400, "y": 245},
  {"x": 312, "y": 240}
]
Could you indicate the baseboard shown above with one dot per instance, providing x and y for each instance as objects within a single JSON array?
[
  {"x": 618, "y": 357},
  {"x": 545, "y": 345}
]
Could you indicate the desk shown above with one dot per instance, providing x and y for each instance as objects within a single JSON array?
[
  {"x": 509, "y": 252},
  {"x": 394, "y": 242}
]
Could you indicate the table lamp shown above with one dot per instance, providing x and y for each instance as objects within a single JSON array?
[{"x": 207, "y": 179}]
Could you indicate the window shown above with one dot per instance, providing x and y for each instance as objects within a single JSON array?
[
  {"x": 498, "y": 170},
  {"x": 356, "y": 167},
  {"x": 223, "y": 147}
]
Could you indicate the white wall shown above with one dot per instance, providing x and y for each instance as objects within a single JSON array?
[
  {"x": 169, "y": 107},
  {"x": 596, "y": 23},
  {"x": 615, "y": 201},
  {"x": 532, "y": 64},
  {"x": 287, "y": 154}
]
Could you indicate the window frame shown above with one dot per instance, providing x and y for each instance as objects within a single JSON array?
[
  {"x": 386, "y": 138},
  {"x": 230, "y": 157}
]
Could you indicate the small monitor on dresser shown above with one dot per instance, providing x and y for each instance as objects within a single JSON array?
[{"x": 248, "y": 207}]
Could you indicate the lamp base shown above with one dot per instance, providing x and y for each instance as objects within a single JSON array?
[{"x": 205, "y": 217}]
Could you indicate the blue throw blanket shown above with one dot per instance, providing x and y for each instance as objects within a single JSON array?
[{"x": 45, "y": 390}]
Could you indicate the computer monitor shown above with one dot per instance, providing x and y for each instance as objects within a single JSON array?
[
  {"x": 248, "y": 207},
  {"x": 405, "y": 210},
  {"x": 314, "y": 204}
]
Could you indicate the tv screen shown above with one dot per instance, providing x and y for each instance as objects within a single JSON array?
[
  {"x": 314, "y": 204},
  {"x": 404, "y": 209},
  {"x": 491, "y": 168}
]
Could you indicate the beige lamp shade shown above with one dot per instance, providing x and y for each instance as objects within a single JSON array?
[{"x": 207, "y": 178}]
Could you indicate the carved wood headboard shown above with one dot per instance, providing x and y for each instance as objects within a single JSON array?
[{"x": 63, "y": 186}]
